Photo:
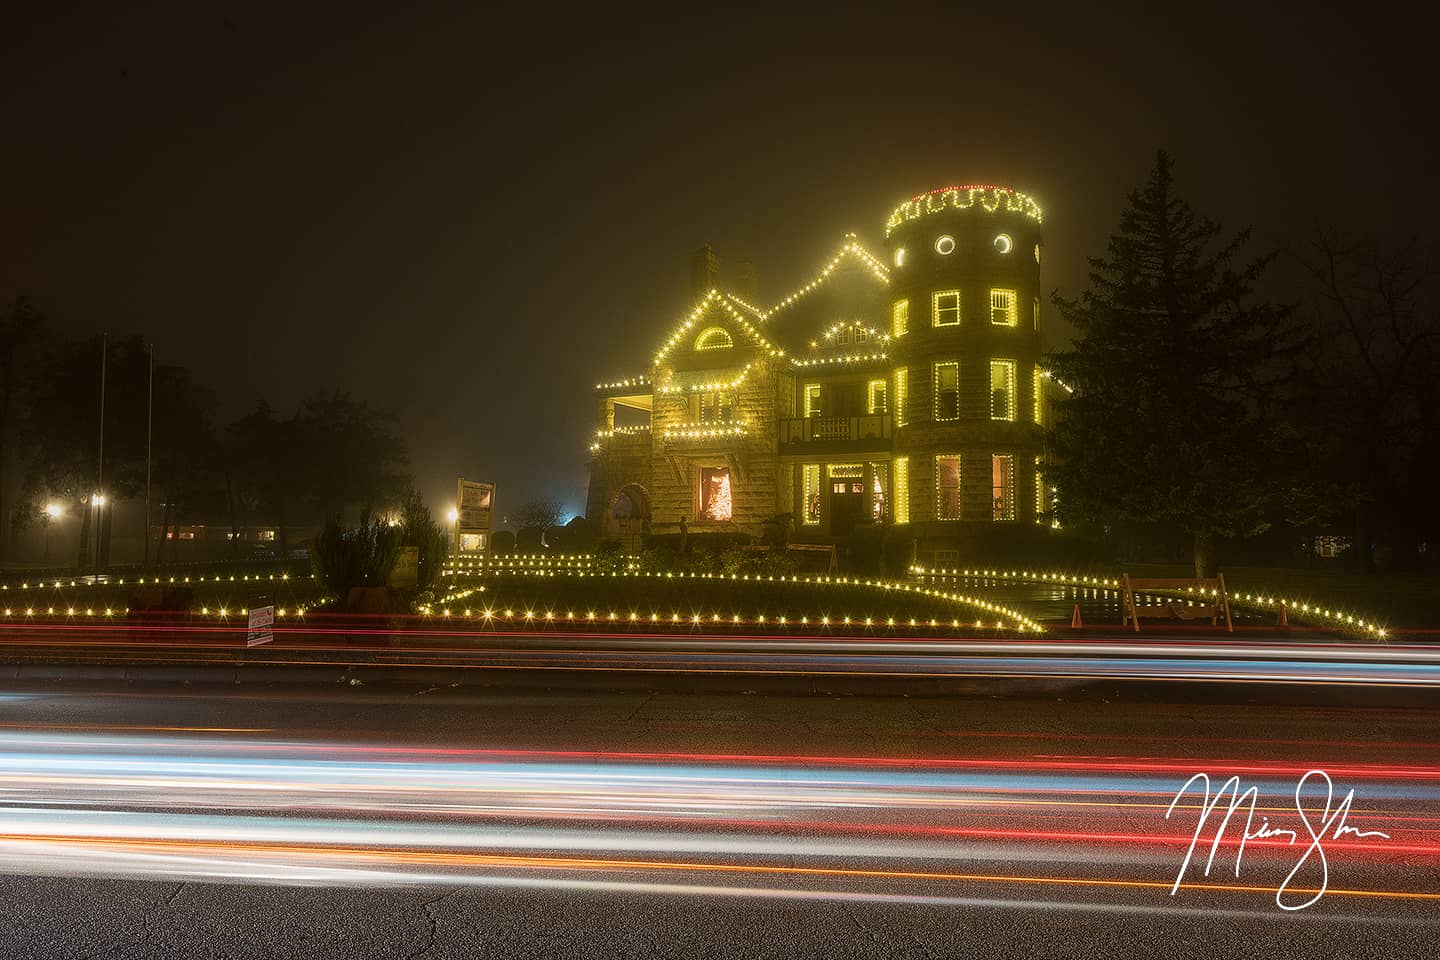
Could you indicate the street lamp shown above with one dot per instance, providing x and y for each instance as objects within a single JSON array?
[
  {"x": 98, "y": 499},
  {"x": 53, "y": 510}
]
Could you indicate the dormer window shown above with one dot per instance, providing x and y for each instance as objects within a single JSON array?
[
  {"x": 861, "y": 335},
  {"x": 843, "y": 337}
]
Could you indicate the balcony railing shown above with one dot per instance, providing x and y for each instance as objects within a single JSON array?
[{"x": 870, "y": 432}]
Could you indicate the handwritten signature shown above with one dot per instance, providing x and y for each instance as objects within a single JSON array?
[{"x": 1331, "y": 825}]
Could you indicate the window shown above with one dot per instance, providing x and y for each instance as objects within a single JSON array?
[
  {"x": 1002, "y": 487},
  {"x": 900, "y": 318},
  {"x": 715, "y": 407},
  {"x": 861, "y": 335},
  {"x": 714, "y": 338},
  {"x": 945, "y": 245},
  {"x": 1002, "y": 389},
  {"x": 899, "y": 257},
  {"x": 947, "y": 391},
  {"x": 1037, "y": 253},
  {"x": 1039, "y": 493},
  {"x": 1037, "y": 313},
  {"x": 901, "y": 466},
  {"x": 879, "y": 494},
  {"x": 1003, "y": 310},
  {"x": 716, "y": 497},
  {"x": 810, "y": 494},
  {"x": 1003, "y": 243},
  {"x": 876, "y": 402},
  {"x": 947, "y": 487},
  {"x": 842, "y": 336},
  {"x": 1039, "y": 396},
  {"x": 812, "y": 399},
  {"x": 945, "y": 308},
  {"x": 902, "y": 393}
]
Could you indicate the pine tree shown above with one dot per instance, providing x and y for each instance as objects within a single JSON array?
[{"x": 1172, "y": 371}]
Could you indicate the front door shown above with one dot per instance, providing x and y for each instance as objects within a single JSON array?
[{"x": 847, "y": 505}]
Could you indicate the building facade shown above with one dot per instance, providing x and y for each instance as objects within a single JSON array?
[{"x": 893, "y": 393}]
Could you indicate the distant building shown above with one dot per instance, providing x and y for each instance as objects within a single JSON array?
[{"x": 902, "y": 389}]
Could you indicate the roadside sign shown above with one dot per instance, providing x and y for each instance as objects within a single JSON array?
[
  {"x": 475, "y": 504},
  {"x": 261, "y": 628}
]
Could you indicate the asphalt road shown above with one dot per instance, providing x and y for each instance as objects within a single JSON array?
[{"x": 1004, "y": 818}]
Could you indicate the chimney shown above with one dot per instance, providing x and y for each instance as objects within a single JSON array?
[
  {"x": 704, "y": 272},
  {"x": 744, "y": 284}
]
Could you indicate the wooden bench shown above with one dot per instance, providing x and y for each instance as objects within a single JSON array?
[
  {"x": 1206, "y": 588},
  {"x": 817, "y": 548}
]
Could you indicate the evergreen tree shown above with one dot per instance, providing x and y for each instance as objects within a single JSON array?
[{"x": 1173, "y": 371}]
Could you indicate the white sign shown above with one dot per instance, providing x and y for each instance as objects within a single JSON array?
[{"x": 261, "y": 628}]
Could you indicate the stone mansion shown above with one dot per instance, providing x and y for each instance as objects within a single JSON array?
[{"x": 897, "y": 391}]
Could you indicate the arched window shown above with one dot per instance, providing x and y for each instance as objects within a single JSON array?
[{"x": 714, "y": 338}]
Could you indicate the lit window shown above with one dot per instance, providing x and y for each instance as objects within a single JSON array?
[
  {"x": 810, "y": 494},
  {"x": 879, "y": 494},
  {"x": 902, "y": 393},
  {"x": 945, "y": 308},
  {"x": 1002, "y": 389},
  {"x": 900, "y": 318},
  {"x": 812, "y": 399},
  {"x": 947, "y": 487},
  {"x": 714, "y": 338},
  {"x": 1039, "y": 396},
  {"x": 947, "y": 391},
  {"x": 1003, "y": 309},
  {"x": 1037, "y": 313},
  {"x": 945, "y": 245},
  {"x": 1002, "y": 487},
  {"x": 861, "y": 335},
  {"x": 716, "y": 497},
  {"x": 1037, "y": 253},
  {"x": 1003, "y": 243},
  {"x": 843, "y": 337},
  {"x": 902, "y": 489},
  {"x": 899, "y": 256},
  {"x": 877, "y": 397}
]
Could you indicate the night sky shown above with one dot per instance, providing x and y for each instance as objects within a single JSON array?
[{"x": 470, "y": 220}]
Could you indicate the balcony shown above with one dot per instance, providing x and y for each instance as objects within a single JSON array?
[{"x": 822, "y": 435}]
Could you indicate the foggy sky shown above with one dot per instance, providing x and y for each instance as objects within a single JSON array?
[{"x": 470, "y": 217}]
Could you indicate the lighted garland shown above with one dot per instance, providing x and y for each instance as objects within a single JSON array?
[
  {"x": 1021, "y": 622},
  {"x": 987, "y": 197},
  {"x": 1270, "y": 601}
]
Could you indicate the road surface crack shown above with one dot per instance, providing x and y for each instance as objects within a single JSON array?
[{"x": 428, "y": 908}]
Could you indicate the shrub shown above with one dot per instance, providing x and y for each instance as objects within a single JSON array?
[{"x": 363, "y": 557}]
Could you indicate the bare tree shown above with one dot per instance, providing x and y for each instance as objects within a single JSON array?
[{"x": 543, "y": 514}]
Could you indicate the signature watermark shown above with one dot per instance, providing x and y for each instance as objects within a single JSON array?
[{"x": 1331, "y": 825}]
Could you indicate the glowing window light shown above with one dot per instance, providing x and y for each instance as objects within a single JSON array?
[
  {"x": 900, "y": 318},
  {"x": 902, "y": 394},
  {"x": 901, "y": 467},
  {"x": 1002, "y": 389},
  {"x": 946, "y": 380},
  {"x": 1003, "y": 243},
  {"x": 899, "y": 257},
  {"x": 714, "y": 338},
  {"x": 875, "y": 401},
  {"x": 810, "y": 494},
  {"x": 812, "y": 400},
  {"x": 945, "y": 308},
  {"x": 947, "y": 486},
  {"x": 945, "y": 245},
  {"x": 1002, "y": 486},
  {"x": 1003, "y": 309}
]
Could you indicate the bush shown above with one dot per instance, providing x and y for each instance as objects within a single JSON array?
[
  {"x": 363, "y": 557},
  {"x": 527, "y": 540},
  {"x": 502, "y": 541},
  {"x": 419, "y": 529}
]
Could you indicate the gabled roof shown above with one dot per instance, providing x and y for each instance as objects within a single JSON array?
[
  {"x": 851, "y": 249},
  {"x": 730, "y": 307}
]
